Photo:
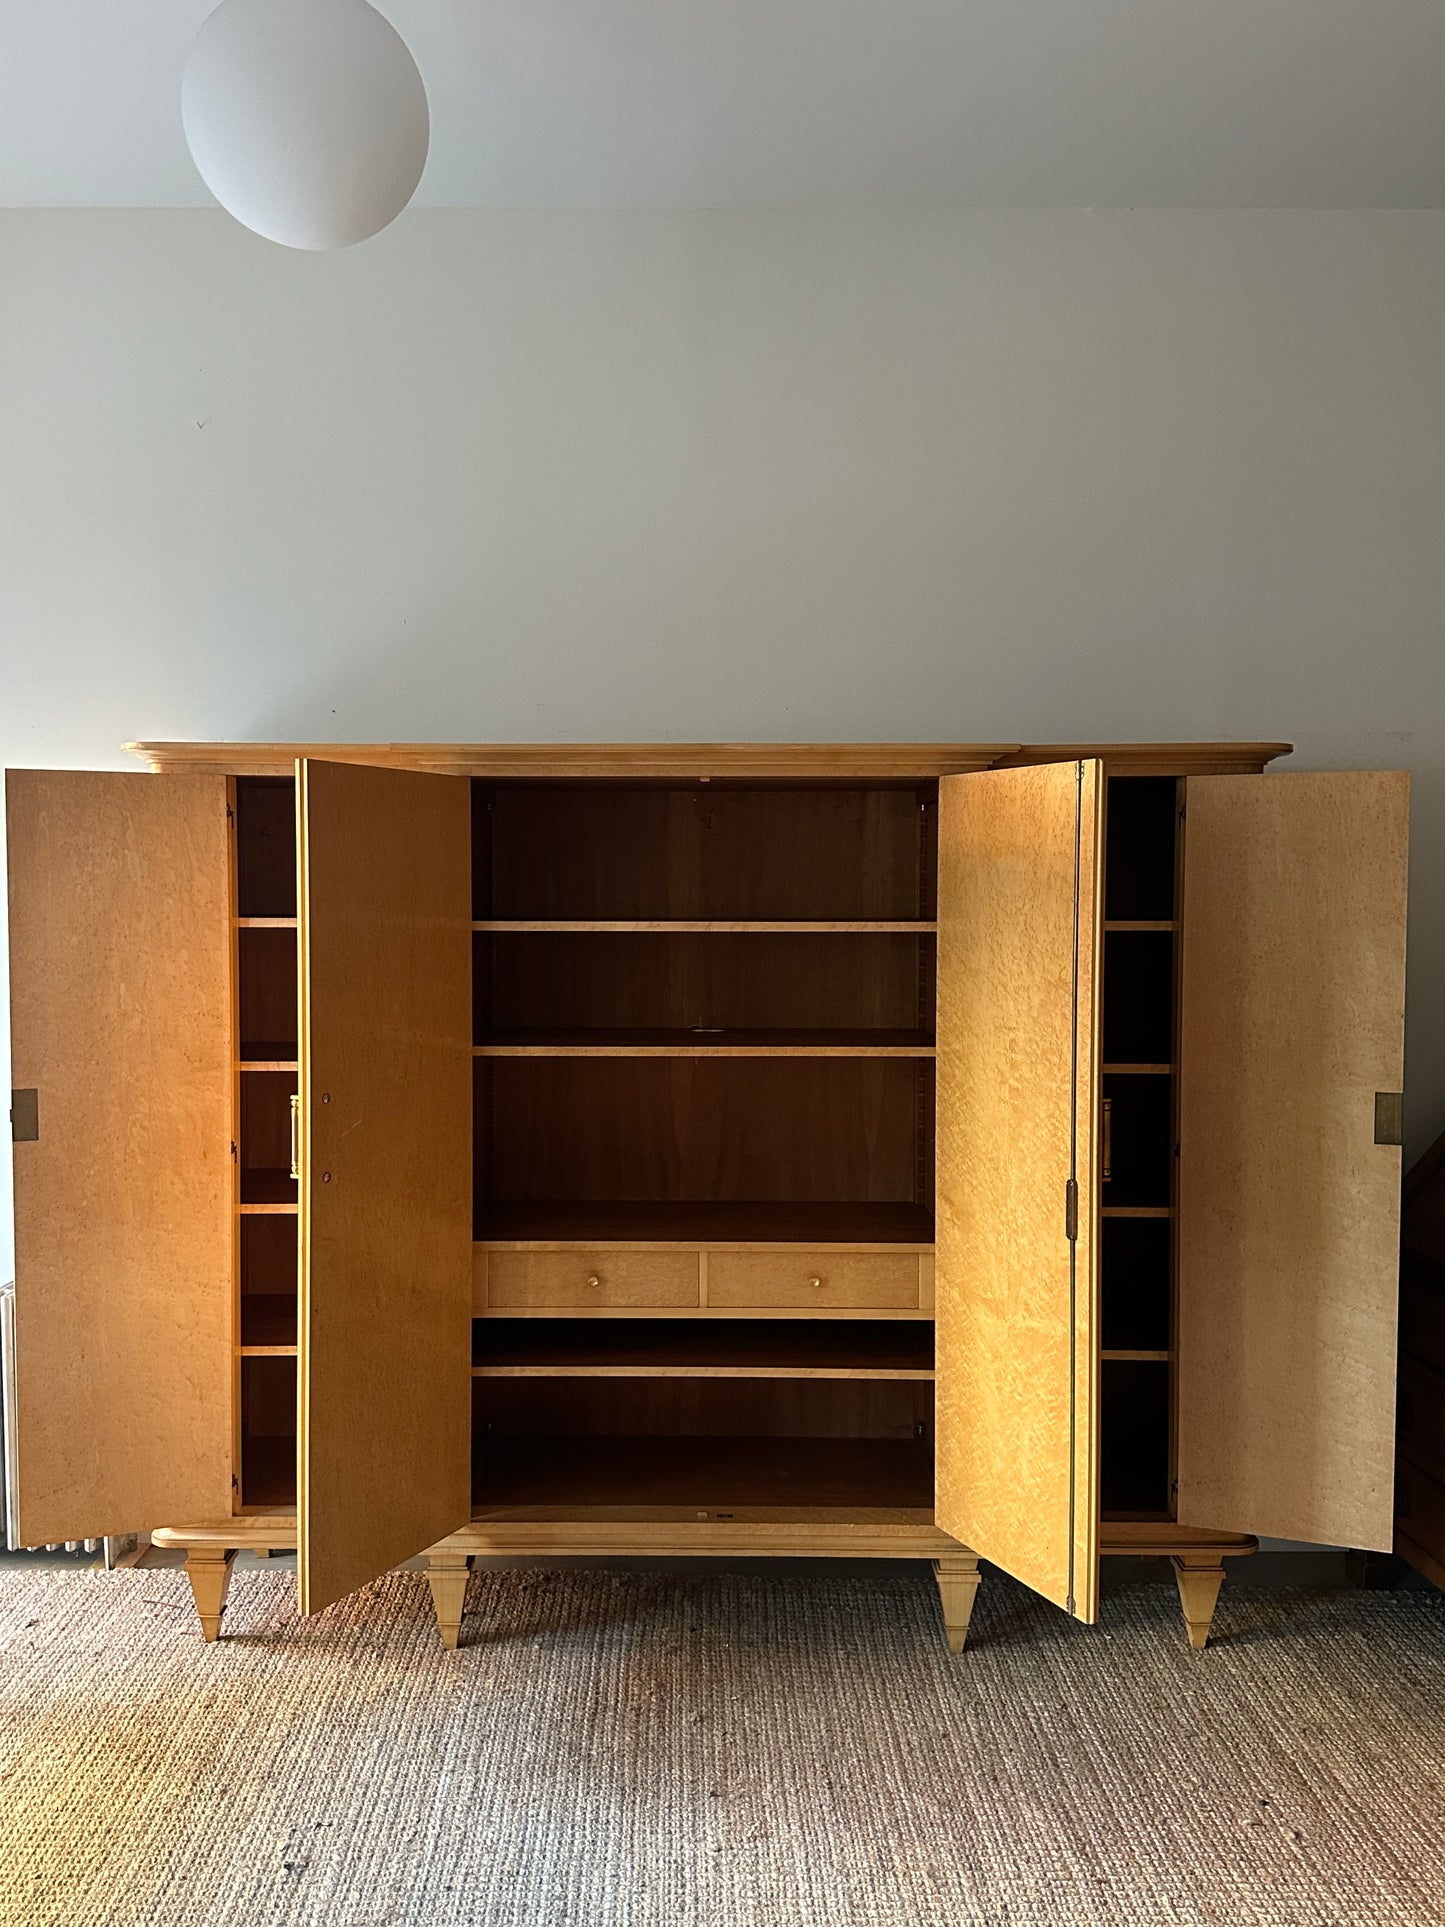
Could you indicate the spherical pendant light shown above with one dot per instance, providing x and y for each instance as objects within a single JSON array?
[{"x": 307, "y": 118}]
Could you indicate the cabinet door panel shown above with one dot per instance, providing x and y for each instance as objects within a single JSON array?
[
  {"x": 1019, "y": 908},
  {"x": 386, "y": 1170},
  {"x": 1292, "y": 1019},
  {"x": 120, "y": 992}
]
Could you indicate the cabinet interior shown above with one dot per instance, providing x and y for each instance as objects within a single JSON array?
[
  {"x": 265, "y": 1039},
  {"x": 705, "y": 1012},
  {"x": 1139, "y": 1166}
]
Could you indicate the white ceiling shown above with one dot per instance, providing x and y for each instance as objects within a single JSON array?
[{"x": 737, "y": 103}]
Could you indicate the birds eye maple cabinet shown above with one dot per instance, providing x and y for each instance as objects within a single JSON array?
[{"x": 950, "y": 1152}]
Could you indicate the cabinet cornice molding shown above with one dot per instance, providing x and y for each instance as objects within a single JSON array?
[{"x": 817, "y": 761}]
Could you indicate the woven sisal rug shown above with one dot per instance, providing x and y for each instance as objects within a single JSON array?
[{"x": 641, "y": 1749}]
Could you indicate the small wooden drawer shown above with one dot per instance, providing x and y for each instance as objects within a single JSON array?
[
  {"x": 590, "y": 1280},
  {"x": 818, "y": 1281}
]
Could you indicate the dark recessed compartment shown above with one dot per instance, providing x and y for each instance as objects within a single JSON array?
[
  {"x": 266, "y": 1137},
  {"x": 625, "y": 981},
  {"x": 268, "y": 1280},
  {"x": 875, "y": 1348},
  {"x": 265, "y": 846},
  {"x": 853, "y": 1133},
  {"x": 704, "y": 1444},
  {"x": 1139, "y": 848},
  {"x": 1134, "y": 1439},
  {"x": 1138, "y": 1140},
  {"x": 268, "y": 1432},
  {"x": 582, "y": 851},
  {"x": 267, "y": 994},
  {"x": 1139, "y": 997},
  {"x": 1136, "y": 1287}
]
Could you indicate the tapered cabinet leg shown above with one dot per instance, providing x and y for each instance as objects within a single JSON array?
[
  {"x": 210, "y": 1576},
  {"x": 1199, "y": 1582},
  {"x": 957, "y": 1587},
  {"x": 447, "y": 1574}
]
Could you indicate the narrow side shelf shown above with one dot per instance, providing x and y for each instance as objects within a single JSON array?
[{"x": 267, "y": 1055}]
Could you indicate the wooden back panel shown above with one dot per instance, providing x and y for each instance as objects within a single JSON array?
[
  {"x": 386, "y": 1170},
  {"x": 1019, "y": 908},
  {"x": 120, "y": 977},
  {"x": 1292, "y": 1018}
]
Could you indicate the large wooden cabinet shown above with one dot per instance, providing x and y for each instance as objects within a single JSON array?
[{"x": 950, "y": 1152}]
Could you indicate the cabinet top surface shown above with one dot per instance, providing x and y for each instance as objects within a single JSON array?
[{"x": 815, "y": 761}]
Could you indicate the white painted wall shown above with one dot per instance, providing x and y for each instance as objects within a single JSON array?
[{"x": 1013, "y": 475}]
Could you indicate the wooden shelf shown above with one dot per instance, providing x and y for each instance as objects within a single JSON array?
[
  {"x": 265, "y": 923},
  {"x": 696, "y": 1223},
  {"x": 1112, "y": 924},
  {"x": 503, "y": 926},
  {"x": 704, "y": 1472},
  {"x": 1137, "y": 1358},
  {"x": 668, "y": 1348},
  {"x": 1137, "y": 1070},
  {"x": 268, "y": 1191},
  {"x": 267, "y": 1056},
  {"x": 709, "y": 1043},
  {"x": 268, "y": 1324},
  {"x": 1136, "y": 1211}
]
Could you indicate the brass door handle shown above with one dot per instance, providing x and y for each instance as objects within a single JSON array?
[{"x": 295, "y": 1137}]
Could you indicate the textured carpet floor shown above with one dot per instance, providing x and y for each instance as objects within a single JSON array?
[{"x": 636, "y": 1749}]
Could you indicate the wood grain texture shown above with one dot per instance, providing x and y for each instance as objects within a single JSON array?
[
  {"x": 386, "y": 1171},
  {"x": 902, "y": 761},
  {"x": 120, "y": 1012},
  {"x": 1292, "y": 1018},
  {"x": 1019, "y": 909}
]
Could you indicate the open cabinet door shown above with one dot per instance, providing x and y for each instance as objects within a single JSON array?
[
  {"x": 384, "y": 908},
  {"x": 1291, "y": 1062},
  {"x": 1019, "y": 908},
  {"x": 120, "y": 1008}
]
